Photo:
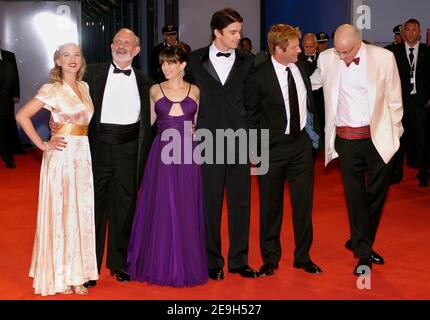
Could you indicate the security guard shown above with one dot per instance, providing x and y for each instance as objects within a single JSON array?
[
  {"x": 322, "y": 40},
  {"x": 170, "y": 35},
  {"x": 397, "y": 30}
]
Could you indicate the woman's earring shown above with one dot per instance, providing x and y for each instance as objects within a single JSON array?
[{"x": 182, "y": 73}]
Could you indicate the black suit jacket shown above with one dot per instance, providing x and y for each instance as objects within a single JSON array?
[
  {"x": 422, "y": 76},
  {"x": 265, "y": 102},
  {"x": 221, "y": 106},
  {"x": 9, "y": 57},
  {"x": 6, "y": 88},
  {"x": 96, "y": 77},
  {"x": 310, "y": 66},
  {"x": 390, "y": 46}
]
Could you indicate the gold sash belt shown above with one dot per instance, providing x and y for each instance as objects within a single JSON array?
[{"x": 70, "y": 129}]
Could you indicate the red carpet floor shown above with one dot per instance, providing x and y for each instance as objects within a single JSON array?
[{"x": 403, "y": 239}]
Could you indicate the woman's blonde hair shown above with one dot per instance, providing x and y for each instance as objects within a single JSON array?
[
  {"x": 56, "y": 73},
  {"x": 280, "y": 35}
]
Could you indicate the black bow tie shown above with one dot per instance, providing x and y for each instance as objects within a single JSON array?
[
  {"x": 220, "y": 54},
  {"x": 118, "y": 70}
]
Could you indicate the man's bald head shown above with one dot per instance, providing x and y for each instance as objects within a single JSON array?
[
  {"x": 309, "y": 44},
  {"x": 347, "y": 42},
  {"x": 347, "y": 33},
  {"x": 125, "y": 46},
  {"x": 126, "y": 31}
]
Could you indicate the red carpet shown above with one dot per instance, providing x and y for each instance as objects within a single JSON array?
[{"x": 403, "y": 240}]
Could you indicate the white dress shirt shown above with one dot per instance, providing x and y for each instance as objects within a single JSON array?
[
  {"x": 282, "y": 75},
  {"x": 414, "y": 63},
  {"x": 222, "y": 64},
  {"x": 353, "y": 108},
  {"x": 121, "y": 100}
]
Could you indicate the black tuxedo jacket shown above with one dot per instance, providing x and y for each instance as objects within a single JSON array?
[
  {"x": 9, "y": 57},
  {"x": 265, "y": 102},
  {"x": 310, "y": 66},
  {"x": 422, "y": 76},
  {"x": 221, "y": 106},
  {"x": 6, "y": 88},
  {"x": 96, "y": 77}
]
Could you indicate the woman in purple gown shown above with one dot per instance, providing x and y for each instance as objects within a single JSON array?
[{"x": 167, "y": 244}]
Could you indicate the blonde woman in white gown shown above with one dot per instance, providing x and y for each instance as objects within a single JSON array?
[{"x": 64, "y": 255}]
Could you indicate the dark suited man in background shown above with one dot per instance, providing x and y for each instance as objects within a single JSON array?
[
  {"x": 309, "y": 55},
  {"x": 279, "y": 98},
  {"x": 120, "y": 137},
  {"x": 245, "y": 45},
  {"x": 170, "y": 35},
  {"x": 397, "y": 31},
  {"x": 413, "y": 60},
  {"x": 6, "y": 112},
  {"x": 322, "y": 41},
  {"x": 219, "y": 71},
  {"x": 12, "y": 129}
]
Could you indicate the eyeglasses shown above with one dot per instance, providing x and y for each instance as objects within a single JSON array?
[{"x": 344, "y": 53}]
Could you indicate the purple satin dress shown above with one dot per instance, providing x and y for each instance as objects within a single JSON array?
[{"x": 167, "y": 244}]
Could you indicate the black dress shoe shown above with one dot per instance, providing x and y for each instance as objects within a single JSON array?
[
  {"x": 216, "y": 274},
  {"x": 245, "y": 272},
  {"x": 309, "y": 267},
  {"x": 90, "y": 283},
  {"x": 268, "y": 269},
  {"x": 120, "y": 275},
  {"x": 374, "y": 257},
  {"x": 362, "y": 266}
]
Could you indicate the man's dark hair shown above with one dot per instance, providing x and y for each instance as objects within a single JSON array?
[
  {"x": 413, "y": 21},
  {"x": 223, "y": 18},
  {"x": 245, "y": 39}
]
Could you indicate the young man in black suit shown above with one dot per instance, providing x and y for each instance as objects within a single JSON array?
[
  {"x": 219, "y": 71},
  {"x": 279, "y": 98},
  {"x": 413, "y": 61}
]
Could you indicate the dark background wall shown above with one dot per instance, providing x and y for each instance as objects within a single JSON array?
[
  {"x": 311, "y": 15},
  {"x": 102, "y": 19}
]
